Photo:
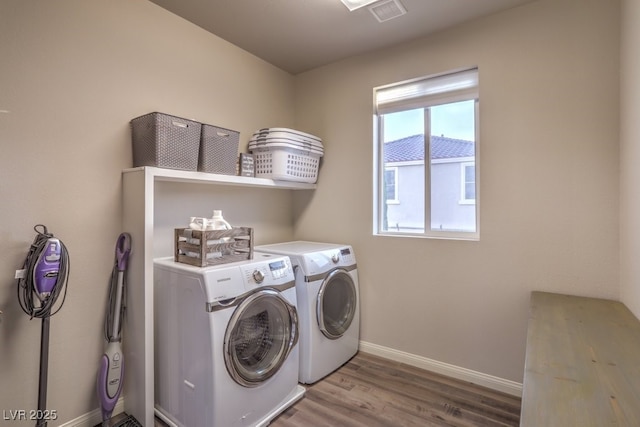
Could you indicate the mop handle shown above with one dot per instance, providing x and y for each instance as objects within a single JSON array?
[
  {"x": 116, "y": 309},
  {"x": 123, "y": 248}
]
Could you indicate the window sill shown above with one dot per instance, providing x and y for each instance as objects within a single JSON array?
[{"x": 444, "y": 235}]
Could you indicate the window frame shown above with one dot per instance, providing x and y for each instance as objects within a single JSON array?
[{"x": 379, "y": 209}]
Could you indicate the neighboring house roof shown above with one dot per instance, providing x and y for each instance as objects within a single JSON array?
[{"x": 411, "y": 148}]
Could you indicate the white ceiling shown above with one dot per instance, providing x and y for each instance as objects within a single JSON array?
[{"x": 299, "y": 35}]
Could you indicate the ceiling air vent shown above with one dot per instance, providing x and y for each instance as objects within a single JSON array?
[{"x": 386, "y": 10}]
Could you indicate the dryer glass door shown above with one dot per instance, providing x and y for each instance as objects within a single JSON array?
[
  {"x": 261, "y": 333},
  {"x": 336, "y": 305}
]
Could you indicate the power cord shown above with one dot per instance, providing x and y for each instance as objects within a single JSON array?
[{"x": 30, "y": 303}]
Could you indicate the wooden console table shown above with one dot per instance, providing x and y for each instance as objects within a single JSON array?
[{"x": 582, "y": 363}]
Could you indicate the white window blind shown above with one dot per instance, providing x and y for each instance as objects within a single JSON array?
[{"x": 427, "y": 92}]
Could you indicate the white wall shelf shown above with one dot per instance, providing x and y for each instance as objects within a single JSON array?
[
  {"x": 161, "y": 174},
  {"x": 138, "y": 190}
]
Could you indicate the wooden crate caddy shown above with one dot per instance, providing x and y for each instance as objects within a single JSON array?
[{"x": 199, "y": 248}]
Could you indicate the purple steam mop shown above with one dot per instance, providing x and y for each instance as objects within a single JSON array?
[
  {"x": 110, "y": 376},
  {"x": 44, "y": 277}
]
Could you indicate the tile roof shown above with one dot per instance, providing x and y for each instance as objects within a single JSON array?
[{"x": 412, "y": 148}]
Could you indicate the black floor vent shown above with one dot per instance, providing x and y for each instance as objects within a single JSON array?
[
  {"x": 122, "y": 420},
  {"x": 129, "y": 421}
]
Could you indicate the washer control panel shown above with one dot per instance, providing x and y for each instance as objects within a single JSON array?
[
  {"x": 278, "y": 269},
  {"x": 271, "y": 270},
  {"x": 344, "y": 256}
]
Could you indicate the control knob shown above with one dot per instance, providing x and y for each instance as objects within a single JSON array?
[
  {"x": 258, "y": 276},
  {"x": 335, "y": 258}
]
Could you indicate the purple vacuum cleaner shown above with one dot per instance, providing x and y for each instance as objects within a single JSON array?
[
  {"x": 110, "y": 376},
  {"x": 42, "y": 282}
]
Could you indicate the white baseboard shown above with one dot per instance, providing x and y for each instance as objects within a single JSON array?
[
  {"x": 495, "y": 383},
  {"x": 94, "y": 417}
]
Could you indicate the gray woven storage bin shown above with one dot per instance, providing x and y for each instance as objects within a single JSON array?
[
  {"x": 218, "y": 150},
  {"x": 165, "y": 141}
]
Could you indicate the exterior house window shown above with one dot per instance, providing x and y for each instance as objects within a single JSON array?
[
  {"x": 426, "y": 156},
  {"x": 391, "y": 185},
  {"x": 468, "y": 183}
]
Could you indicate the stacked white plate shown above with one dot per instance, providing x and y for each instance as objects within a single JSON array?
[{"x": 286, "y": 154}]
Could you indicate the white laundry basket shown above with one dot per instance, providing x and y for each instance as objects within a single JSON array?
[{"x": 287, "y": 163}]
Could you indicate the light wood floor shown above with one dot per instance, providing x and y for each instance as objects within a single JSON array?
[{"x": 371, "y": 391}]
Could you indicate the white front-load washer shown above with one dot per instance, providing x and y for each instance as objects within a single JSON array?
[
  {"x": 328, "y": 304},
  {"x": 226, "y": 342}
]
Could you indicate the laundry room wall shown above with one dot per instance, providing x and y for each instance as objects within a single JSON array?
[
  {"x": 72, "y": 75},
  {"x": 630, "y": 156},
  {"x": 549, "y": 105}
]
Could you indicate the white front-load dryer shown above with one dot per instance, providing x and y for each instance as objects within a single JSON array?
[
  {"x": 328, "y": 304},
  {"x": 226, "y": 342}
]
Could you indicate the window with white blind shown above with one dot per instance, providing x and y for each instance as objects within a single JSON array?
[{"x": 434, "y": 119}]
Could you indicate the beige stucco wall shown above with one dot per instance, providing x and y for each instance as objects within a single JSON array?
[
  {"x": 630, "y": 156},
  {"x": 72, "y": 74},
  {"x": 548, "y": 182}
]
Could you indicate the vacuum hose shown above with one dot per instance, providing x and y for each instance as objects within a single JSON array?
[{"x": 46, "y": 271}]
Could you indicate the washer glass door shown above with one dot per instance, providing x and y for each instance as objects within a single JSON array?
[
  {"x": 336, "y": 305},
  {"x": 261, "y": 333}
]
